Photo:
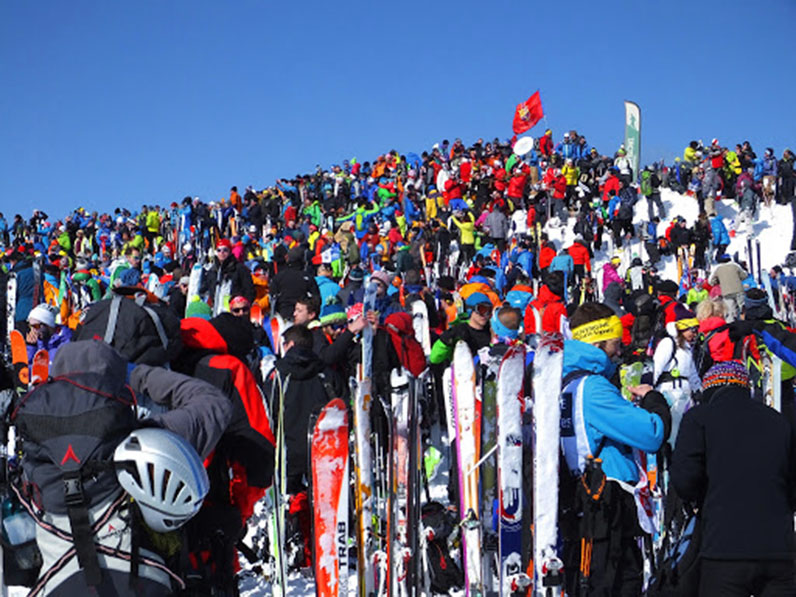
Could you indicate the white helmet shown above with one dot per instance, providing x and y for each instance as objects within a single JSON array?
[{"x": 164, "y": 475}]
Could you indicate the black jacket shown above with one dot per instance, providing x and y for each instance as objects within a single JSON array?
[
  {"x": 736, "y": 458},
  {"x": 304, "y": 393},
  {"x": 289, "y": 285},
  {"x": 229, "y": 269}
]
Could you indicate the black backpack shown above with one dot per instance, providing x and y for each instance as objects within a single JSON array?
[
  {"x": 142, "y": 331},
  {"x": 444, "y": 572},
  {"x": 71, "y": 426},
  {"x": 678, "y": 575}
]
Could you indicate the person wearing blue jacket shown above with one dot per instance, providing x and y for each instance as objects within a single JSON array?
[
  {"x": 604, "y": 437},
  {"x": 721, "y": 238}
]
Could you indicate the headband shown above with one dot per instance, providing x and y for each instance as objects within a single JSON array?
[{"x": 608, "y": 328}]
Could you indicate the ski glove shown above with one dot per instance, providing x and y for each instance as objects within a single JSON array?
[{"x": 654, "y": 402}]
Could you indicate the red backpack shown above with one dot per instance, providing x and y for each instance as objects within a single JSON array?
[{"x": 409, "y": 350}]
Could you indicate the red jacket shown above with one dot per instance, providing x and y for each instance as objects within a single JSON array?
[
  {"x": 611, "y": 183},
  {"x": 549, "y": 308},
  {"x": 546, "y": 255},
  {"x": 500, "y": 179},
  {"x": 559, "y": 187},
  {"x": 580, "y": 255},
  {"x": 465, "y": 171},
  {"x": 517, "y": 185},
  {"x": 546, "y": 145},
  {"x": 453, "y": 190}
]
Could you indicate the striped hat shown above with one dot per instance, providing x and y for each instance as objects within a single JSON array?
[{"x": 724, "y": 374}]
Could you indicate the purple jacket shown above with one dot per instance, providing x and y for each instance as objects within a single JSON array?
[
  {"x": 61, "y": 337},
  {"x": 610, "y": 275}
]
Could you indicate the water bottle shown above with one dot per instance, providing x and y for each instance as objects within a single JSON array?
[{"x": 18, "y": 526}]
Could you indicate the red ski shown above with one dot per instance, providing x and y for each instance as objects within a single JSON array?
[
  {"x": 41, "y": 367},
  {"x": 19, "y": 358},
  {"x": 329, "y": 460}
]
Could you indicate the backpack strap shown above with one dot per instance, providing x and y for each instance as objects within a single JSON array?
[
  {"x": 77, "y": 510},
  {"x": 113, "y": 318},
  {"x": 158, "y": 326}
]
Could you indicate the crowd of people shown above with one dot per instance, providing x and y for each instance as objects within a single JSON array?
[{"x": 467, "y": 230}]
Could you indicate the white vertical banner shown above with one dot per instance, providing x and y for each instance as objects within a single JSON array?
[{"x": 633, "y": 136}]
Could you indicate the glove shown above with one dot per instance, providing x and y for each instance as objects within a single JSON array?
[
  {"x": 654, "y": 402},
  {"x": 741, "y": 329}
]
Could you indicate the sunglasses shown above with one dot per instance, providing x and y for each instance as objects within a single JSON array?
[
  {"x": 239, "y": 310},
  {"x": 34, "y": 326},
  {"x": 222, "y": 250}
]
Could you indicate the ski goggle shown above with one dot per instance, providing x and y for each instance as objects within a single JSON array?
[{"x": 483, "y": 309}]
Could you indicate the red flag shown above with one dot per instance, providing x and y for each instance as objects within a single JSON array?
[{"x": 528, "y": 113}]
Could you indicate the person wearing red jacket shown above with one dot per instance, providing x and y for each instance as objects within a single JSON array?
[
  {"x": 559, "y": 197},
  {"x": 580, "y": 258},
  {"x": 611, "y": 183},
  {"x": 517, "y": 184},
  {"x": 546, "y": 143},
  {"x": 453, "y": 190},
  {"x": 547, "y": 310},
  {"x": 546, "y": 254},
  {"x": 500, "y": 176},
  {"x": 466, "y": 171}
]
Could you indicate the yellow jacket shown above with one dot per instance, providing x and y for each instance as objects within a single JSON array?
[
  {"x": 571, "y": 173},
  {"x": 467, "y": 229}
]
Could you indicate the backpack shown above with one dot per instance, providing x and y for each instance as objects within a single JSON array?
[
  {"x": 437, "y": 527},
  {"x": 402, "y": 335},
  {"x": 141, "y": 328},
  {"x": 71, "y": 426},
  {"x": 646, "y": 183},
  {"x": 703, "y": 360},
  {"x": 678, "y": 575}
]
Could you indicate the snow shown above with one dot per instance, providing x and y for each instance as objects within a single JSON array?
[{"x": 773, "y": 228}]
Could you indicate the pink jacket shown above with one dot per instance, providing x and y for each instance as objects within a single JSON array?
[{"x": 610, "y": 275}]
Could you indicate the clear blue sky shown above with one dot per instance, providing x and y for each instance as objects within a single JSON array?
[{"x": 109, "y": 103}]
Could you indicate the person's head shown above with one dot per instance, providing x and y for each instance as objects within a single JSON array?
[
  {"x": 325, "y": 270},
  {"x": 480, "y": 308},
  {"x": 240, "y": 306},
  {"x": 506, "y": 323},
  {"x": 41, "y": 319},
  {"x": 306, "y": 309},
  {"x": 383, "y": 279},
  {"x": 183, "y": 284},
  {"x": 223, "y": 249},
  {"x": 686, "y": 324},
  {"x": 755, "y": 305},
  {"x": 297, "y": 336},
  {"x": 598, "y": 325},
  {"x": 133, "y": 256},
  {"x": 723, "y": 376},
  {"x": 710, "y": 308}
]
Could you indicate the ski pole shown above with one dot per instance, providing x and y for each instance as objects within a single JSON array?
[{"x": 474, "y": 467}]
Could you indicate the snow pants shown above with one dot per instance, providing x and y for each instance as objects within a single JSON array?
[{"x": 740, "y": 578}]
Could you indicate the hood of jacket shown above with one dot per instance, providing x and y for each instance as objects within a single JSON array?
[
  {"x": 580, "y": 356},
  {"x": 300, "y": 363}
]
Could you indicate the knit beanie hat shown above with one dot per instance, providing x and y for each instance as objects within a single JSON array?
[
  {"x": 684, "y": 318},
  {"x": 332, "y": 311},
  {"x": 755, "y": 298},
  {"x": 198, "y": 308},
  {"x": 725, "y": 373}
]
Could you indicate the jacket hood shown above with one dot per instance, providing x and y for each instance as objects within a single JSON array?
[
  {"x": 300, "y": 363},
  {"x": 547, "y": 296},
  {"x": 586, "y": 357},
  {"x": 710, "y": 324},
  {"x": 91, "y": 356}
]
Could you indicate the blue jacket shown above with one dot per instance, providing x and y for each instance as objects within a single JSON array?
[
  {"x": 328, "y": 287},
  {"x": 25, "y": 288},
  {"x": 567, "y": 150},
  {"x": 562, "y": 263},
  {"x": 719, "y": 231},
  {"x": 607, "y": 415}
]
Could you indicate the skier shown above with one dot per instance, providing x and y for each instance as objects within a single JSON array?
[
  {"x": 747, "y": 543},
  {"x": 603, "y": 546},
  {"x": 730, "y": 277}
]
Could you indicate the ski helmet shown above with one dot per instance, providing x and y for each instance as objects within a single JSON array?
[{"x": 164, "y": 475}]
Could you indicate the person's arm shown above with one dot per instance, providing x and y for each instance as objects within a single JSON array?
[
  {"x": 645, "y": 428},
  {"x": 198, "y": 411},
  {"x": 662, "y": 358},
  {"x": 688, "y": 471}
]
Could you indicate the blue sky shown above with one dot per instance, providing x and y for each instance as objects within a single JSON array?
[{"x": 126, "y": 103}]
